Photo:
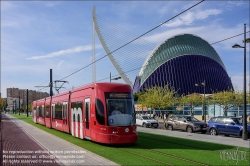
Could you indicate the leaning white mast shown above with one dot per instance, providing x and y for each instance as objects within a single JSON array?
[
  {"x": 111, "y": 58},
  {"x": 93, "y": 47}
]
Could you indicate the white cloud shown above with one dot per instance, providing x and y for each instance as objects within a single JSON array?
[
  {"x": 190, "y": 17},
  {"x": 51, "y": 4},
  {"x": 230, "y": 5},
  {"x": 236, "y": 3},
  {"x": 20, "y": 68},
  {"x": 60, "y": 64},
  {"x": 160, "y": 37},
  {"x": 9, "y": 24},
  {"x": 64, "y": 52},
  {"x": 7, "y": 5},
  {"x": 217, "y": 34},
  {"x": 163, "y": 9},
  {"x": 17, "y": 20}
]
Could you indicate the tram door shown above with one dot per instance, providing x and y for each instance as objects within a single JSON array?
[
  {"x": 86, "y": 116},
  {"x": 34, "y": 114},
  {"x": 64, "y": 117}
]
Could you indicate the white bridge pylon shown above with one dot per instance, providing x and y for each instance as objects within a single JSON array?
[{"x": 111, "y": 58}]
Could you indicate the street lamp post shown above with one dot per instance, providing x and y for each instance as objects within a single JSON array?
[
  {"x": 13, "y": 107},
  {"x": 19, "y": 105},
  {"x": 117, "y": 78},
  {"x": 204, "y": 108},
  {"x": 245, "y": 133}
]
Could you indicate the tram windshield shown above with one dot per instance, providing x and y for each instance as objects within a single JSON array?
[{"x": 120, "y": 109}]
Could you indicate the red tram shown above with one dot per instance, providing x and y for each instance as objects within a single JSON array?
[{"x": 86, "y": 113}]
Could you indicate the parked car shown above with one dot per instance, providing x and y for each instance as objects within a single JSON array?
[
  {"x": 146, "y": 121},
  {"x": 186, "y": 123},
  {"x": 227, "y": 126}
]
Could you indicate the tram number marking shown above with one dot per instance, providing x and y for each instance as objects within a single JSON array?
[
  {"x": 103, "y": 128},
  {"x": 92, "y": 115},
  {"x": 111, "y": 120}
]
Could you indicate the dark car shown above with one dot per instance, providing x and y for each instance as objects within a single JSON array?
[
  {"x": 227, "y": 126},
  {"x": 186, "y": 123}
]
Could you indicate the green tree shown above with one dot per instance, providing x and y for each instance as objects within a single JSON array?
[
  {"x": 2, "y": 103},
  {"x": 24, "y": 107},
  {"x": 239, "y": 98},
  {"x": 193, "y": 100},
  {"x": 137, "y": 96},
  {"x": 226, "y": 99},
  {"x": 211, "y": 101},
  {"x": 149, "y": 98},
  {"x": 142, "y": 100},
  {"x": 158, "y": 97}
]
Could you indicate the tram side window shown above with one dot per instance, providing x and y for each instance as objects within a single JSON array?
[
  {"x": 40, "y": 112},
  {"x": 65, "y": 110},
  {"x": 47, "y": 112},
  {"x": 76, "y": 107},
  {"x": 78, "y": 118},
  {"x": 34, "y": 109},
  {"x": 99, "y": 111},
  {"x": 58, "y": 111},
  {"x": 53, "y": 111}
]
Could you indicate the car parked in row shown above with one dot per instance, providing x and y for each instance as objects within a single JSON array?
[
  {"x": 186, "y": 123},
  {"x": 146, "y": 121},
  {"x": 227, "y": 126}
]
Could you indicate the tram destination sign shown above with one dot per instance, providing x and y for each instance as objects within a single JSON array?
[{"x": 119, "y": 95}]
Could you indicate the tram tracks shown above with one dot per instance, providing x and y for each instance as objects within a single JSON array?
[
  {"x": 152, "y": 139},
  {"x": 160, "y": 147},
  {"x": 143, "y": 156},
  {"x": 192, "y": 162},
  {"x": 174, "y": 156}
]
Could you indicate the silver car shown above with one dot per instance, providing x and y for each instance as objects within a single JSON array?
[
  {"x": 186, "y": 123},
  {"x": 146, "y": 121}
]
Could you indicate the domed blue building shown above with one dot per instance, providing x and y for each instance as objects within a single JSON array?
[{"x": 183, "y": 61}]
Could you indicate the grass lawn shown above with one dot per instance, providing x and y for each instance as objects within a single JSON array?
[{"x": 162, "y": 149}]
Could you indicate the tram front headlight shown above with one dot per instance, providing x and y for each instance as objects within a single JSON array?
[{"x": 114, "y": 131}]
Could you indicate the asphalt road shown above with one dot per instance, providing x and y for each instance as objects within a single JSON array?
[{"x": 161, "y": 126}]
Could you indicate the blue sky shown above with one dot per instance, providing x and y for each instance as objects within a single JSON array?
[{"x": 37, "y": 36}]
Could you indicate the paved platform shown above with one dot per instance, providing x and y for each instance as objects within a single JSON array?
[{"x": 24, "y": 144}]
